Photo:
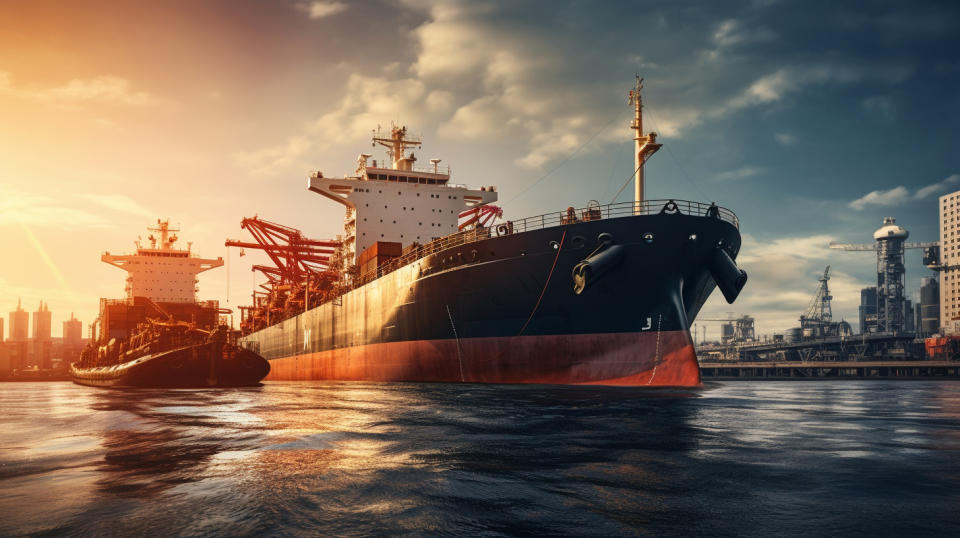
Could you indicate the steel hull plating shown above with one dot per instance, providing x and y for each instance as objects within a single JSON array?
[
  {"x": 192, "y": 366},
  {"x": 504, "y": 310}
]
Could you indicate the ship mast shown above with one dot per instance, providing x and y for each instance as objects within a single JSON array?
[
  {"x": 645, "y": 145},
  {"x": 397, "y": 145}
]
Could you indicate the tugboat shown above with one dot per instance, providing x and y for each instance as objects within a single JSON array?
[{"x": 160, "y": 335}]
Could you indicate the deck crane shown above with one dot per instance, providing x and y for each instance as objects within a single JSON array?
[{"x": 303, "y": 272}]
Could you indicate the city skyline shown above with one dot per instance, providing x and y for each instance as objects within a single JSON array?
[{"x": 810, "y": 129}]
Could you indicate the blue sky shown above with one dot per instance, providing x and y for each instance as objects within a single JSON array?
[{"x": 811, "y": 120}]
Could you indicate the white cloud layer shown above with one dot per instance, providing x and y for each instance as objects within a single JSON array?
[
  {"x": 319, "y": 10},
  {"x": 103, "y": 89},
  {"x": 900, "y": 194}
]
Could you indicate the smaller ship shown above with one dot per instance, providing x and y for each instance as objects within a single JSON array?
[{"x": 160, "y": 335}]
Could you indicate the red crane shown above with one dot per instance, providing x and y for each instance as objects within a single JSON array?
[
  {"x": 479, "y": 216},
  {"x": 298, "y": 263}
]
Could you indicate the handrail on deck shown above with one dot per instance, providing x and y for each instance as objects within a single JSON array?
[{"x": 556, "y": 218}]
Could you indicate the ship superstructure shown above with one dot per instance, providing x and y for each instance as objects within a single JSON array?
[
  {"x": 160, "y": 335},
  {"x": 161, "y": 272},
  {"x": 399, "y": 203},
  {"x": 599, "y": 295}
]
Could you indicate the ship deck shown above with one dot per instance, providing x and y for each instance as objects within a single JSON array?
[{"x": 547, "y": 220}]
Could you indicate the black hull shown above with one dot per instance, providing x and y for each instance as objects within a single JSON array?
[
  {"x": 186, "y": 367},
  {"x": 495, "y": 295}
]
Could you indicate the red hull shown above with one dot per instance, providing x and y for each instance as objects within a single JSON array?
[{"x": 628, "y": 359}]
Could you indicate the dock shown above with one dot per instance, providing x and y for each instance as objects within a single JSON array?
[{"x": 871, "y": 369}]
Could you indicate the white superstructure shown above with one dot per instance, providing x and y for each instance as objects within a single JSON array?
[
  {"x": 400, "y": 203},
  {"x": 161, "y": 272}
]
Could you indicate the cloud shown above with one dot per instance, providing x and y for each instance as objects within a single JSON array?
[
  {"x": 785, "y": 139},
  {"x": 924, "y": 192},
  {"x": 880, "y": 105},
  {"x": 738, "y": 174},
  {"x": 270, "y": 160},
  {"x": 731, "y": 33},
  {"x": 43, "y": 211},
  {"x": 891, "y": 197},
  {"x": 775, "y": 86},
  {"x": 117, "y": 202},
  {"x": 319, "y": 10},
  {"x": 900, "y": 194},
  {"x": 103, "y": 89}
]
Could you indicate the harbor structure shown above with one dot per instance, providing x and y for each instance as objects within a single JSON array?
[
  {"x": 890, "y": 244},
  {"x": 928, "y": 309}
]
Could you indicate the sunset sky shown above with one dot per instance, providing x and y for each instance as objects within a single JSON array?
[{"x": 811, "y": 120}]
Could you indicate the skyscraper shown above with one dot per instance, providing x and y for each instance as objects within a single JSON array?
[
  {"x": 72, "y": 340},
  {"x": 42, "y": 340},
  {"x": 950, "y": 259},
  {"x": 19, "y": 325}
]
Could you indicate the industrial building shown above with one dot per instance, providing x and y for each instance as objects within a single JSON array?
[
  {"x": 891, "y": 242},
  {"x": 868, "y": 310},
  {"x": 928, "y": 310}
]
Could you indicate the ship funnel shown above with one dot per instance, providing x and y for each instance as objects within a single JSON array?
[{"x": 729, "y": 278}]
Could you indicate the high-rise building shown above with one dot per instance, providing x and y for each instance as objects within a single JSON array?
[
  {"x": 950, "y": 262},
  {"x": 72, "y": 340},
  {"x": 1, "y": 330},
  {"x": 42, "y": 339},
  {"x": 19, "y": 333},
  {"x": 868, "y": 310},
  {"x": 19, "y": 324},
  {"x": 908, "y": 317},
  {"x": 72, "y": 331},
  {"x": 929, "y": 307}
]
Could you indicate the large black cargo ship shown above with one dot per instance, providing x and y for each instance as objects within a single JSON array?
[{"x": 599, "y": 295}]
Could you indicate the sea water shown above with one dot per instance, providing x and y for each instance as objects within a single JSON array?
[{"x": 758, "y": 458}]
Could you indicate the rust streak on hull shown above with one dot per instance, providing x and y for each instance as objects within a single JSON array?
[{"x": 627, "y": 359}]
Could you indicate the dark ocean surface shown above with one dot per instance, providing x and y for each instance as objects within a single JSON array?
[{"x": 737, "y": 458}]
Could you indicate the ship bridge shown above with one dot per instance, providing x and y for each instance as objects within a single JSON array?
[{"x": 401, "y": 204}]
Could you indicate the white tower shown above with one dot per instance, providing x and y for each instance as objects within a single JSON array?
[{"x": 890, "y": 270}]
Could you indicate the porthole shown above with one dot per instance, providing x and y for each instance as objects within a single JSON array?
[
  {"x": 648, "y": 238},
  {"x": 554, "y": 245}
]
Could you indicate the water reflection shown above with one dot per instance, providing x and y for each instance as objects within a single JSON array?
[{"x": 355, "y": 458}]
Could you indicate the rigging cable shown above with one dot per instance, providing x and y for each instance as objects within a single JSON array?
[
  {"x": 564, "y": 161},
  {"x": 547, "y": 283},
  {"x": 653, "y": 120}
]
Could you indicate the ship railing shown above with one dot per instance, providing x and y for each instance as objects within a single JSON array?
[{"x": 557, "y": 218}]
